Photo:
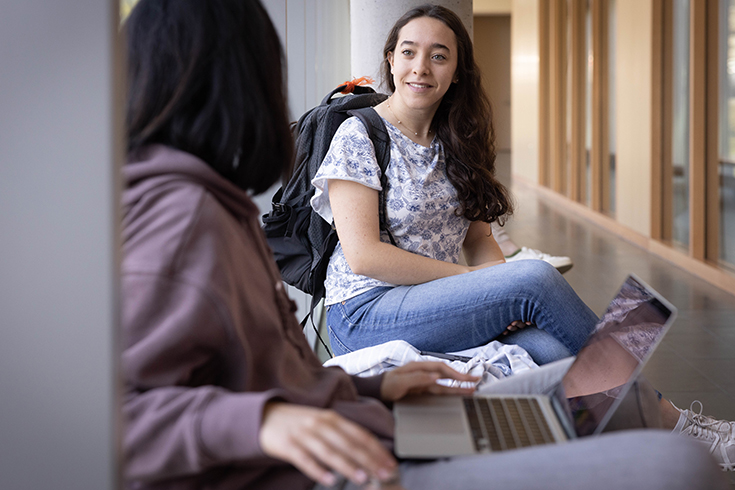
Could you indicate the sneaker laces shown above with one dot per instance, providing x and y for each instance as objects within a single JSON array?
[
  {"x": 721, "y": 426},
  {"x": 709, "y": 429}
]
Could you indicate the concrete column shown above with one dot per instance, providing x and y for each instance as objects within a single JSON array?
[
  {"x": 370, "y": 22},
  {"x": 61, "y": 145}
]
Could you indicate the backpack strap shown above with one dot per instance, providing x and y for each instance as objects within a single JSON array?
[
  {"x": 381, "y": 142},
  {"x": 315, "y": 299}
]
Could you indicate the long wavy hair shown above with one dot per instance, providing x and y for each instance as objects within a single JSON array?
[
  {"x": 463, "y": 123},
  {"x": 208, "y": 77}
]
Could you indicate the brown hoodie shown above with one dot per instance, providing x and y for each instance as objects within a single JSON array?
[{"x": 210, "y": 336}]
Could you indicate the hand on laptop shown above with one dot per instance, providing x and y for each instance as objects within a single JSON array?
[
  {"x": 321, "y": 443},
  {"x": 416, "y": 378}
]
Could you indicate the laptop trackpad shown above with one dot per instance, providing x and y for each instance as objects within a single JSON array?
[
  {"x": 439, "y": 422},
  {"x": 429, "y": 427}
]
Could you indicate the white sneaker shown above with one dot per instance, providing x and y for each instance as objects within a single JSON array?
[
  {"x": 717, "y": 435},
  {"x": 562, "y": 264}
]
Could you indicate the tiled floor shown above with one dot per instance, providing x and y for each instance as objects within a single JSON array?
[{"x": 696, "y": 360}]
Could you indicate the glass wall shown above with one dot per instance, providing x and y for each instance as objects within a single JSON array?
[
  {"x": 727, "y": 131},
  {"x": 569, "y": 60},
  {"x": 611, "y": 33},
  {"x": 680, "y": 130}
]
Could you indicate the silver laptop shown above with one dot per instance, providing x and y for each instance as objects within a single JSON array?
[{"x": 581, "y": 404}]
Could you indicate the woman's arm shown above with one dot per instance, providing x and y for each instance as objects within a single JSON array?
[
  {"x": 173, "y": 429},
  {"x": 480, "y": 247},
  {"x": 355, "y": 209}
]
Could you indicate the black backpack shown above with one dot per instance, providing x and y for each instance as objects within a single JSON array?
[{"x": 301, "y": 240}]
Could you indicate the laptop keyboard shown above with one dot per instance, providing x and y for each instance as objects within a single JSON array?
[{"x": 498, "y": 424}]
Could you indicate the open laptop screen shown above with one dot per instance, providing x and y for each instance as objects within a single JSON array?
[{"x": 625, "y": 337}]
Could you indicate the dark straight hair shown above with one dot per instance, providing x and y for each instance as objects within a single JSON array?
[
  {"x": 463, "y": 123},
  {"x": 207, "y": 77}
]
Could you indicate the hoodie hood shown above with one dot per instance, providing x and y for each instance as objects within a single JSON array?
[{"x": 158, "y": 165}]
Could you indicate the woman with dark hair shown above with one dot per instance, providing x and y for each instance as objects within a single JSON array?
[
  {"x": 221, "y": 387},
  {"x": 204, "y": 94},
  {"x": 441, "y": 198}
]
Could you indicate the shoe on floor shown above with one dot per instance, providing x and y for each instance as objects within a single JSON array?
[
  {"x": 562, "y": 264},
  {"x": 717, "y": 435}
]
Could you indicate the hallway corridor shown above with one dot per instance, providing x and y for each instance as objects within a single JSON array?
[{"x": 696, "y": 360}]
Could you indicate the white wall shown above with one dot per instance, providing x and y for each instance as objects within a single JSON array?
[
  {"x": 493, "y": 55},
  {"x": 58, "y": 237},
  {"x": 316, "y": 37},
  {"x": 633, "y": 48},
  {"x": 525, "y": 89},
  {"x": 492, "y": 7}
]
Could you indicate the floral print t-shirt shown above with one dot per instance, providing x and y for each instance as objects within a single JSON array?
[{"x": 421, "y": 203}]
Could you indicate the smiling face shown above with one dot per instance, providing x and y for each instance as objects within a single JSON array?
[{"x": 424, "y": 64}]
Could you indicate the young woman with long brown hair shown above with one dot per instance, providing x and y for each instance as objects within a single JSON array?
[{"x": 441, "y": 198}]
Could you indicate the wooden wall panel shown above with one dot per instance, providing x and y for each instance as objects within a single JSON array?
[
  {"x": 544, "y": 168},
  {"x": 577, "y": 180},
  {"x": 657, "y": 110},
  {"x": 557, "y": 95},
  {"x": 697, "y": 127}
]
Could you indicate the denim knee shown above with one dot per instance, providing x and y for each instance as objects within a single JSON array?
[
  {"x": 540, "y": 271},
  {"x": 540, "y": 345}
]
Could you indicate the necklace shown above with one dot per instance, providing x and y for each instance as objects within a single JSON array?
[{"x": 399, "y": 121}]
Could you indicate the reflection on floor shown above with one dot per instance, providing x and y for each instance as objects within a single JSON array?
[{"x": 696, "y": 360}]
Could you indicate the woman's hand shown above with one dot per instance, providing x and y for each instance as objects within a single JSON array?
[
  {"x": 417, "y": 378},
  {"x": 319, "y": 442},
  {"x": 516, "y": 325}
]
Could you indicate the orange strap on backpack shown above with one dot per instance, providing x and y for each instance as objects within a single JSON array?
[{"x": 350, "y": 86}]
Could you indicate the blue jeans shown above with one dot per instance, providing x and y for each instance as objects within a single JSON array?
[{"x": 469, "y": 310}]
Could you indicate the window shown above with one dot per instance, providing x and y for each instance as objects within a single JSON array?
[
  {"x": 680, "y": 119},
  {"x": 726, "y": 120},
  {"x": 575, "y": 131}
]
